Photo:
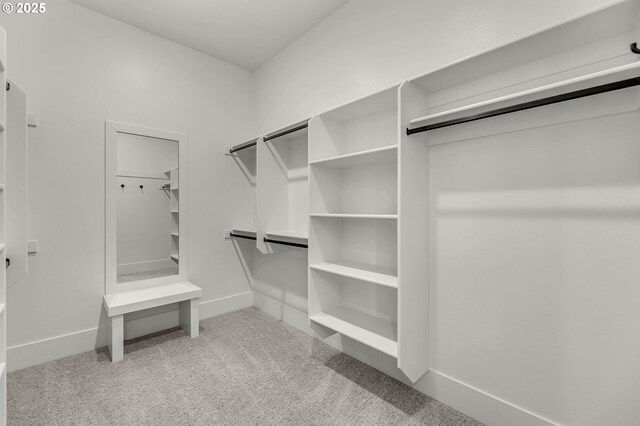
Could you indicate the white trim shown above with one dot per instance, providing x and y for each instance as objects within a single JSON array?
[
  {"x": 476, "y": 403},
  {"x": 111, "y": 171},
  {"x": 285, "y": 313},
  {"x": 33, "y": 353},
  {"x": 145, "y": 174},
  {"x": 465, "y": 398}
]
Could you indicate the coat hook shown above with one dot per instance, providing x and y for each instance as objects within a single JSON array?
[
  {"x": 634, "y": 48},
  {"x": 122, "y": 186},
  {"x": 141, "y": 187}
]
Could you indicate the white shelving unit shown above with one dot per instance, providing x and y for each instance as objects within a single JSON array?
[
  {"x": 174, "y": 206},
  {"x": 361, "y": 185},
  {"x": 355, "y": 198},
  {"x": 283, "y": 189}
]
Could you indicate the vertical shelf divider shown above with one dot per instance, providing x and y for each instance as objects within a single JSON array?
[{"x": 413, "y": 238}]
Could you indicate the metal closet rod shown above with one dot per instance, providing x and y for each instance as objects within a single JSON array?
[
  {"x": 590, "y": 91},
  {"x": 286, "y": 132},
  {"x": 284, "y": 243},
  {"x": 247, "y": 237},
  {"x": 242, "y": 146}
]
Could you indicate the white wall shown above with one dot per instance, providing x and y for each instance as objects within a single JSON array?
[
  {"x": 79, "y": 69},
  {"x": 501, "y": 348}
]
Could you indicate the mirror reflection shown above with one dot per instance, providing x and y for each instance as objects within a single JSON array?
[{"x": 148, "y": 208}]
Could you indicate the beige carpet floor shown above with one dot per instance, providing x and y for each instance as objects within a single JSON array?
[{"x": 245, "y": 368}]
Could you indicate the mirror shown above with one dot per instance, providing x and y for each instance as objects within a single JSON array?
[
  {"x": 147, "y": 228},
  {"x": 144, "y": 204}
]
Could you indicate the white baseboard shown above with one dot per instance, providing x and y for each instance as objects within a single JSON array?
[
  {"x": 152, "y": 320},
  {"x": 283, "y": 312},
  {"x": 480, "y": 405},
  {"x": 467, "y": 399}
]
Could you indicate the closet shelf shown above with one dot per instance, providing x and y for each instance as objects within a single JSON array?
[
  {"x": 355, "y": 216},
  {"x": 364, "y": 328},
  {"x": 292, "y": 132},
  {"x": 175, "y": 257},
  {"x": 597, "y": 78},
  {"x": 175, "y": 211},
  {"x": 175, "y": 234},
  {"x": 246, "y": 145},
  {"x": 372, "y": 156},
  {"x": 250, "y": 233},
  {"x": 374, "y": 274},
  {"x": 298, "y": 235}
]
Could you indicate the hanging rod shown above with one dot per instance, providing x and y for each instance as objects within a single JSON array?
[
  {"x": 247, "y": 237},
  {"x": 590, "y": 91},
  {"x": 243, "y": 146},
  {"x": 284, "y": 243},
  {"x": 286, "y": 132}
]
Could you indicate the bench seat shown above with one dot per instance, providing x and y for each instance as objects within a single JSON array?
[{"x": 116, "y": 305}]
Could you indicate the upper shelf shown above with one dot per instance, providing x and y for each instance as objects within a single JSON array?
[
  {"x": 606, "y": 23},
  {"x": 298, "y": 235},
  {"x": 611, "y": 75},
  {"x": 367, "y": 105}
]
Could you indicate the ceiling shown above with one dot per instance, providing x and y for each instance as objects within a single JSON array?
[{"x": 246, "y": 33}]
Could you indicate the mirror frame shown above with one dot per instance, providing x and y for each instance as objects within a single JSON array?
[{"x": 112, "y": 129}]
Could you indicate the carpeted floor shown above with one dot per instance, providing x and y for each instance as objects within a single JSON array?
[{"x": 245, "y": 368}]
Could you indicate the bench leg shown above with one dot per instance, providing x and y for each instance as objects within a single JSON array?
[
  {"x": 190, "y": 317},
  {"x": 116, "y": 338}
]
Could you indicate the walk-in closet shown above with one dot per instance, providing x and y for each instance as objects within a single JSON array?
[{"x": 310, "y": 212}]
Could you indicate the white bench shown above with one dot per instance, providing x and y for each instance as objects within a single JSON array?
[{"x": 118, "y": 304}]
